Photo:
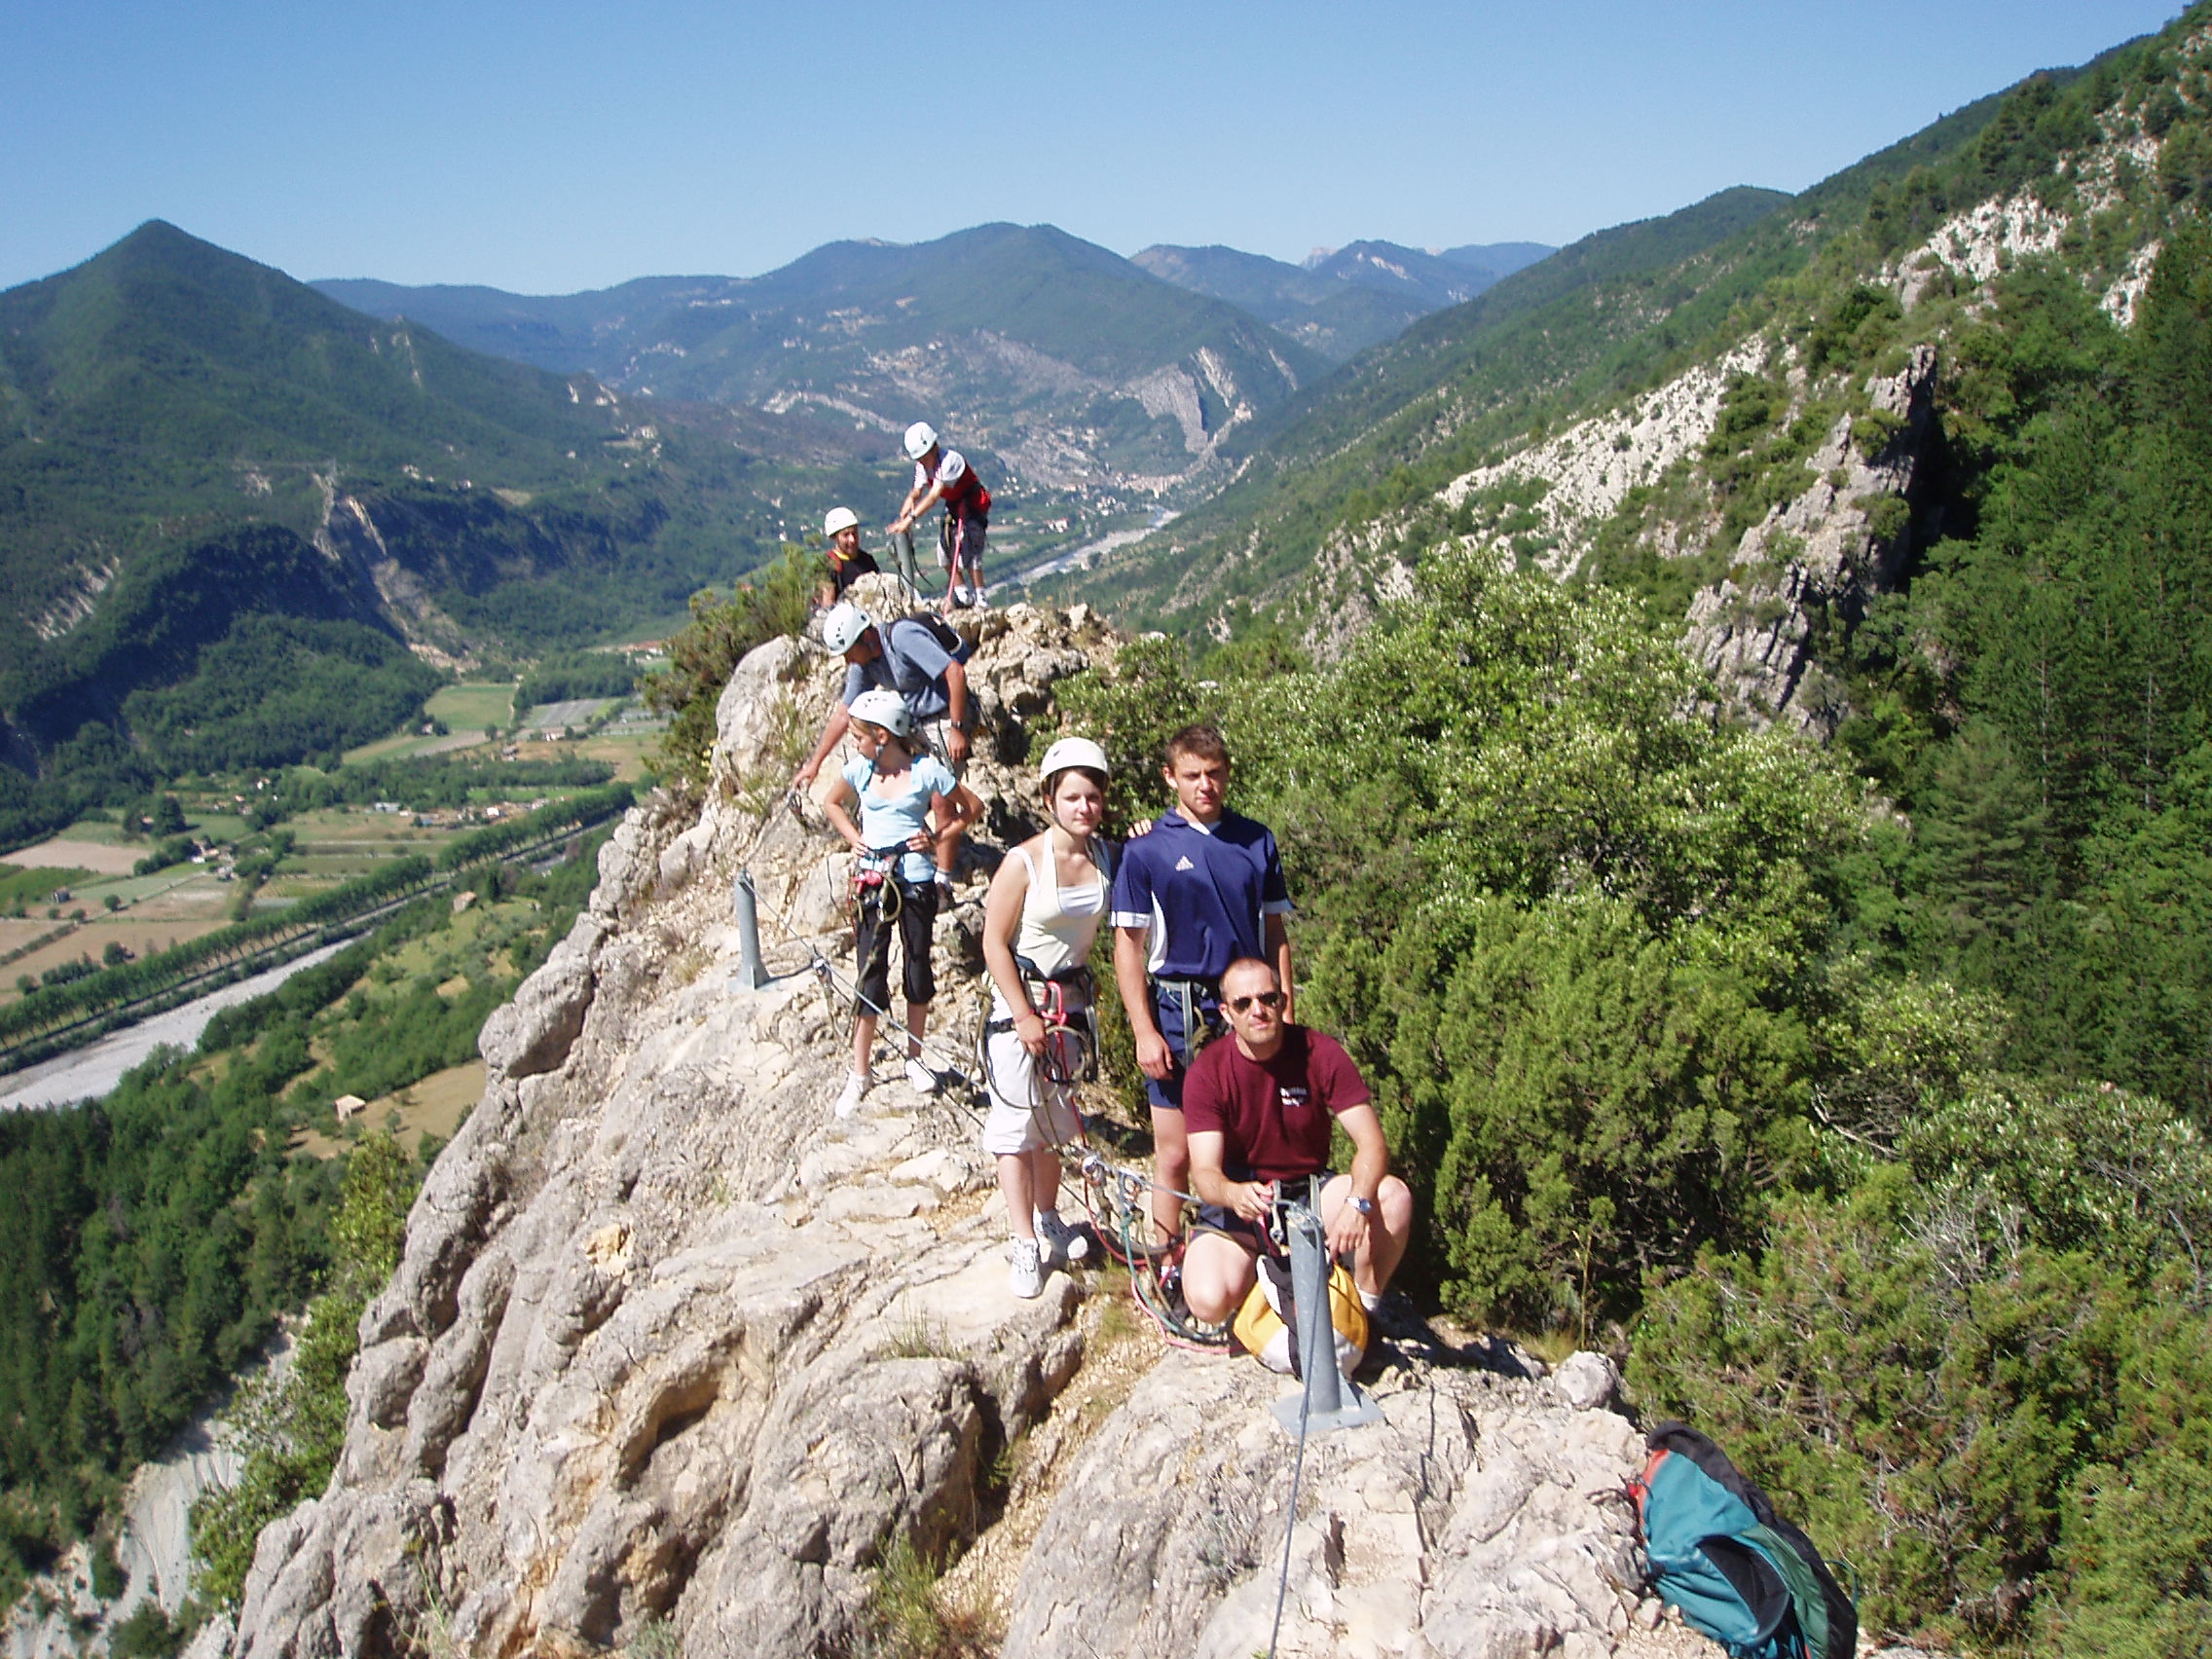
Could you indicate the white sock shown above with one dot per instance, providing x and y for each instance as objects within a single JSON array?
[{"x": 1371, "y": 1300}]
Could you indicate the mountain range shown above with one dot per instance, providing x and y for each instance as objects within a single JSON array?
[
  {"x": 1345, "y": 299},
  {"x": 1062, "y": 360},
  {"x": 193, "y": 440},
  {"x": 1068, "y": 364}
]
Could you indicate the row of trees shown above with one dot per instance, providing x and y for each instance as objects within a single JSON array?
[{"x": 71, "y": 1002}]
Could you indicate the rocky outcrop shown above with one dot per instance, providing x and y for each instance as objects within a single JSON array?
[
  {"x": 1586, "y": 472},
  {"x": 1474, "y": 1521},
  {"x": 1823, "y": 554},
  {"x": 670, "y": 1345}
]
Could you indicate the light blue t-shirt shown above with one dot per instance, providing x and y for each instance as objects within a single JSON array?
[{"x": 888, "y": 821}]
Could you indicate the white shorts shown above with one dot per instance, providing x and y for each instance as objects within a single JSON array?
[{"x": 1029, "y": 1111}]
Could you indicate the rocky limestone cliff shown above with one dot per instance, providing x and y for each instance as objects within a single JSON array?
[
  {"x": 670, "y": 1345},
  {"x": 1825, "y": 553}
]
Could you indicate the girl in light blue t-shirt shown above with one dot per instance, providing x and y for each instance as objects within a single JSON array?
[{"x": 911, "y": 814}]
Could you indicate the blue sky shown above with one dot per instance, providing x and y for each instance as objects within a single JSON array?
[{"x": 555, "y": 146}]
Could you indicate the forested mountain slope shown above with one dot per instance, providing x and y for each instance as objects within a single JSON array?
[
  {"x": 1489, "y": 361},
  {"x": 199, "y": 450},
  {"x": 1060, "y": 357}
]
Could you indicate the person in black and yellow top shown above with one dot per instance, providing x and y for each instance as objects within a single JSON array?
[{"x": 848, "y": 560}]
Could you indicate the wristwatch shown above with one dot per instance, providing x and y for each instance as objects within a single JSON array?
[{"x": 1365, "y": 1206}]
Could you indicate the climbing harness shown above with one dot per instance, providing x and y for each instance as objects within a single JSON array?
[
  {"x": 874, "y": 880},
  {"x": 1071, "y": 1029},
  {"x": 1199, "y": 1002}
]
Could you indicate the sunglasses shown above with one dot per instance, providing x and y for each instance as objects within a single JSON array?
[{"x": 1265, "y": 999}]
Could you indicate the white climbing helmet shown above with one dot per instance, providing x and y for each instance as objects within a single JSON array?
[
  {"x": 840, "y": 518},
  {"x": 921, "y": 438},
  {"x": 842, "y": 628},
  {"x": 1073, "y": 751},
  {"x": 885, "y": 709}
]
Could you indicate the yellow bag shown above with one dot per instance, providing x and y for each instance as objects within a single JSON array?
[{"x": 1263, "y": 1327}]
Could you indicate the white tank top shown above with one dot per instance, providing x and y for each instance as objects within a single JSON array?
[{"x": 1058, "y": 924}]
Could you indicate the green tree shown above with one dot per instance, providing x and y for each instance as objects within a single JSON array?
[
  {"x": 290, "y": 1428},
  {"x": 703, "y": 653}
]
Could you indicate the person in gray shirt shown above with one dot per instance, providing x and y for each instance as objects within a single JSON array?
[{"x": 906, "y": 657}]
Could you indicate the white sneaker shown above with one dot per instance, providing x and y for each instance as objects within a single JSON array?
[
  {"x": 921, "y": 1077},
  {"x": 1025, "y": 1280},
  {"x": 1060, "y": 1242},
  {"x": 849, "y": 1102}
]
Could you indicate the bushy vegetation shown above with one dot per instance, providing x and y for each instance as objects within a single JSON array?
[
  {"x": 280, "y": 689},
  {"x": 157, "y": 1238},
  {"x": 290, "y": 1425},
  {"x": 703, "y": 652},
  {"x": 1876, "y": 1142}
]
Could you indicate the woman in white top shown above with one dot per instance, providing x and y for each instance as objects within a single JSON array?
[{"x": 1044, "y": 912}]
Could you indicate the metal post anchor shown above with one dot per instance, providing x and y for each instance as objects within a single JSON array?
[
  {"x": 1328, "y": 1399},
  {"x": 751, "y": 975},
  {"x": 910, "y": 566}
]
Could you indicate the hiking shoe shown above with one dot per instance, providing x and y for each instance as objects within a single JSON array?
[
  {"x": 849, "y": 1102},
  {"x": 1058, "y": 1240},
  {"x": 921, "y": 1077},
  {"x": 1027, "y": 1276}
]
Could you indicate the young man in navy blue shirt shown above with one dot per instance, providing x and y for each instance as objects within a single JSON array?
[{"x": 1202, "y": 889}]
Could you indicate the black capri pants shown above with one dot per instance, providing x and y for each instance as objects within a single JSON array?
[{"x": 916, "y": 924}]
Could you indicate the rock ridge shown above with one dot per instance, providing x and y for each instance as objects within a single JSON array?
[{"x": 672, "y": 1347}]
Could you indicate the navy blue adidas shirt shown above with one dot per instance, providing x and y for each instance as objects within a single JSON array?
[{"x": 1203, "y": 893}]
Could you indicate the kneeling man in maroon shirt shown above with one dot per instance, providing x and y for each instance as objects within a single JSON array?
[{"x": 1258, "y": 1110}]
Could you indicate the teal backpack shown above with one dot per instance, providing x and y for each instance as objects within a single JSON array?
[{"x": 1738, "y": 1571}]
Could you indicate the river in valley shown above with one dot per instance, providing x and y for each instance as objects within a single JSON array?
[{"x": 89, "y": 1072}]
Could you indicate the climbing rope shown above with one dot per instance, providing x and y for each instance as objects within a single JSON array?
[{"x": 1298, "y": 1463}]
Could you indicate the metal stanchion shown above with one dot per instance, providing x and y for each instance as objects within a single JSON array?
[
  {"x": 751, "y": 975},
  {"x": 910, "y": 566},
  {"x": 1329, "y": 1399}
]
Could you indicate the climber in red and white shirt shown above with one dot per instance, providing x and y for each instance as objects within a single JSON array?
[{"x": 945, "y": 475}]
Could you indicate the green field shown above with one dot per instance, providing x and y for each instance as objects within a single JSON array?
[
  {"x": 104, "y": 831},
  {"x": 467, "y": 709},
  {"x": 315, "y": 850},
  {"x": 36, "y": 887},
  {"x": 473, "y": 705}
]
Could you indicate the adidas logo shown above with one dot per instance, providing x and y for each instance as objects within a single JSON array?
[{"x": 1184, "y": 863}]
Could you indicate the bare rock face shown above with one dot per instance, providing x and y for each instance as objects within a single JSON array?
[
  {"x": 1467, "y": 1524},
  {"x": 669, "y": 1342},
  {"x": 1828, "y": 551}
]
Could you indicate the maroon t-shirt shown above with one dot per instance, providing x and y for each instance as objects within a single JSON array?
[{"x": 1275, "y": 1117}]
